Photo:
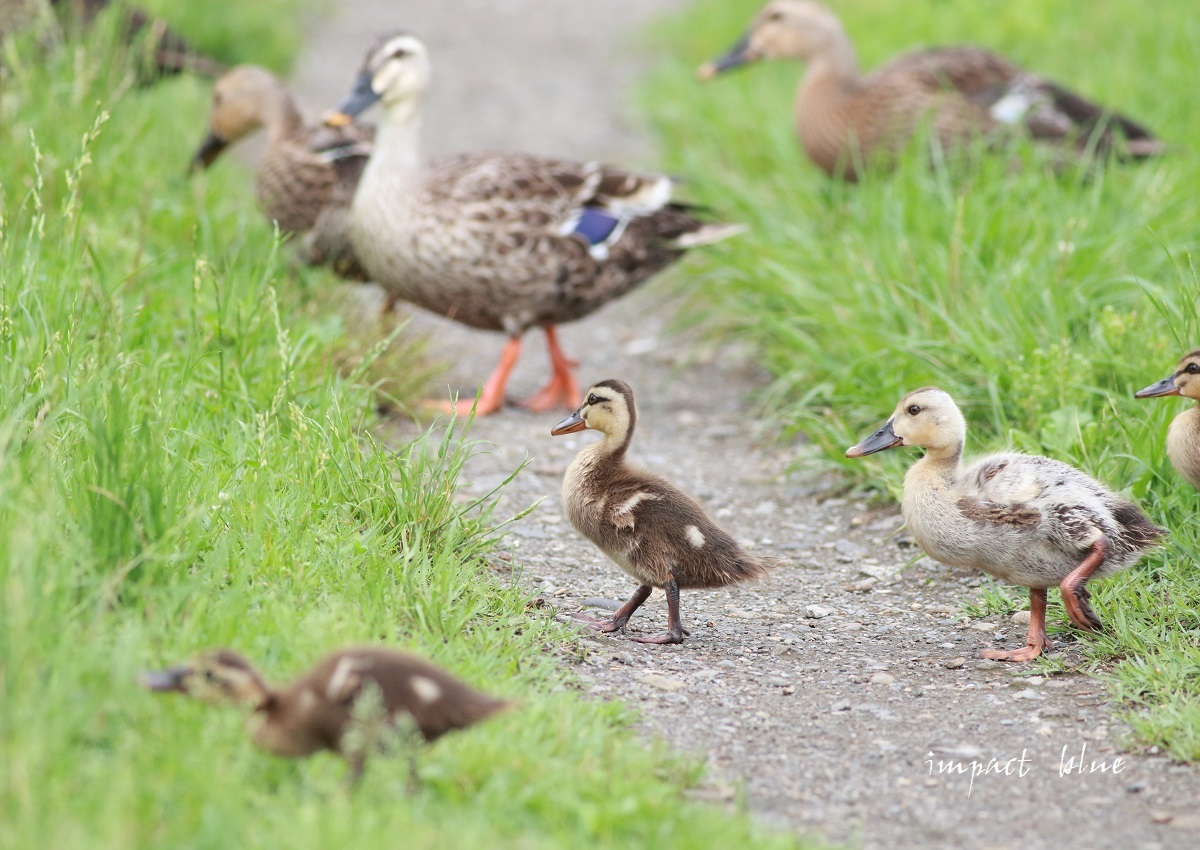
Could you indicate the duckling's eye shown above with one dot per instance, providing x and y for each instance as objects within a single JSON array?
[
  {"x": 914, "y": 409},
  {"x": 593, "y": 399},
  {"x": 400, "y": 53},
  {"x": 1192, "y": 368},
  {"x": 775, "y": 17},
  {"x": 210, "y": 676}
]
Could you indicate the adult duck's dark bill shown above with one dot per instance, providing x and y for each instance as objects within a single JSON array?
[
  {"x": 357, "y": 102},
  {"x": 570, "y": 425},
  {"x": 208, "y": 152},
  {"x": 162, "y": 681},
  {"x": 884, "y": 438},
  {"x": 736, "y": 56},
  {"x": 1164, "y": 387}
]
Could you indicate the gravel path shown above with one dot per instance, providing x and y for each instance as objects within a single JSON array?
[{"x": 839, "y": 697}]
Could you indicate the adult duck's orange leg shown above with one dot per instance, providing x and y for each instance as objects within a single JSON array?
[
  {"x": 491, "y": 398},
  {"x": 1074, "y": 590},
  {"x": 563, "y": 389},
  {"x": 1036, "y": 641}
]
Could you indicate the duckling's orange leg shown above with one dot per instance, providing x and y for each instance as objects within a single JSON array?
[
  {"x": 1074, "y": 590},
  {"x": 563, "y": 389},
  {"x": 621, "y": 616},
  {"x": 675, "y": 630},
  {"x": 492, "y": 397},
  {"x": 1035, "y": 641}
]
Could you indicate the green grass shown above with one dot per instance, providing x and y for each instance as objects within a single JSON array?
[
  {"x": 183, "y": 466},
  {"x": 1040, "y": 302}
]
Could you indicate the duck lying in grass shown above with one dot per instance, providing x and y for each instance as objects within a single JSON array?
[
  {"x": 844, "y": 119},
  {"x": 503, "y": 242},
  {"x": 1183, "y": 438},
  {"x": 653, "y": 530},
  {"x": 320, "y": 710},
  {"x": 307, "y": 176},
  {"x": 1024, "y": 519}
]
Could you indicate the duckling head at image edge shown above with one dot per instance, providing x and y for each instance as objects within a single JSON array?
[
  {"x": 654, "y": 531},
  {"x": 1183, "y": 437},
  {"x": 1024, "y": 519}
]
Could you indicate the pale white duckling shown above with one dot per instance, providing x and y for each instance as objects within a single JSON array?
[
  {"x": 1024, "y": 519},
  {"x": 653, "y": 530},
  {"x": 1183, "y": 437}
]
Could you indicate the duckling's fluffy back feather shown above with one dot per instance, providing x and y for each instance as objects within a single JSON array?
[
  {"x": 655, "y": 531},
  {"x": 1023, "y": 518}
]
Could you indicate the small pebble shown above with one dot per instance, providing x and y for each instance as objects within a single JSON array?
[
  {"x": 1021, "y": 618},
  {"x": 661, "y": 682},
  {"x": 882, "y": 679},
  {"x": 816, "y": 612}
]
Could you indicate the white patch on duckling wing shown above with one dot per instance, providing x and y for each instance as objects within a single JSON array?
[
  {"x": 694, "y": 536},
  {"x": 622, "y": 515},
  {"x": 345, "y": 679},
  {"x": 426, "y": 689}
]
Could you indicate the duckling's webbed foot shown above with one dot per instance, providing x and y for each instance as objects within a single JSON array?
[
  {"x": 1036, "y": 641},
  {"x": 621, "y": 616},
  {"x": 675, "y": 630},
  {"x": 1074, "y": 590}
]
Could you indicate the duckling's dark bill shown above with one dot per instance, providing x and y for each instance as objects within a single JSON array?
[
  {"x": 1163, "y": 388},
  {"x": 570, "y": 425},
  {"x": 884, "y": 438},
  {"x": 734, "y": 57},
  {"x": 361, "y": 97},
  {"x": 208, "y": 152},
  {"x": 162, "y": 681}
]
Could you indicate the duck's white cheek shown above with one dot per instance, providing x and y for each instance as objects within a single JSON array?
[{"x": 694, "y": 536}]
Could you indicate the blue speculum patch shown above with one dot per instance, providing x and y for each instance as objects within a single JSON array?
[{"x": 595, "y": 225}]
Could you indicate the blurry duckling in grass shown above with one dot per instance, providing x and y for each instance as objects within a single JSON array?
[
  {"x": 654, "y": 531},
  {"x": 844, "y": 119},
  {"x": 308, "y": 174},
  {"x": 1024, "y": 519},
  {"x": 322, "y": 710},
  {"x": 1183, "y": 438}
]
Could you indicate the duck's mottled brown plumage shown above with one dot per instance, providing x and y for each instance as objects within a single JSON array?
[
  {"x": 653, "y": 530},
  {"x": 503, "y": 242},
  {"x": 844, "y": 119},
  {"x": 317, "y": 710},
  {"x": 1183, "y": 437},
  {"x": 308, "y": 174}
]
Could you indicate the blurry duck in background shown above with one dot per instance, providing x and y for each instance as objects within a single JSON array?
[
  {"x": 167, "y": 51},
  {"x": 503, "y": 242},
  {"x": 308, "y": 174},
  {"x": 844, "y": 119},
  {"x": 1024, "y": 519},
  {"x": 1183, "y": 437},
  {"x": 653, "y": 530},
  {"x": 321, "y": 710}
]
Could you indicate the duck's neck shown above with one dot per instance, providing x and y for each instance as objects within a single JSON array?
[
  {"x": 940, "y": 465},
  {"x": 282, "y": 117},
  {"x": 398, "y": 141},
  {"x": 834, "y": 68}
]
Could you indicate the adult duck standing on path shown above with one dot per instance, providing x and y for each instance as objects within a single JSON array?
[{"x": 503, "y": 242}]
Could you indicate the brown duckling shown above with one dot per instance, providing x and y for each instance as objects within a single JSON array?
[
  {"x": 1025, "y": 519},
  {"x": 308, "y": 174},
  {"x": 843, "y": 118},
  {"x": 653, "y": 530},
  {"x": 316, "y": 712},
  {"x": 1183, "y": 438}
]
